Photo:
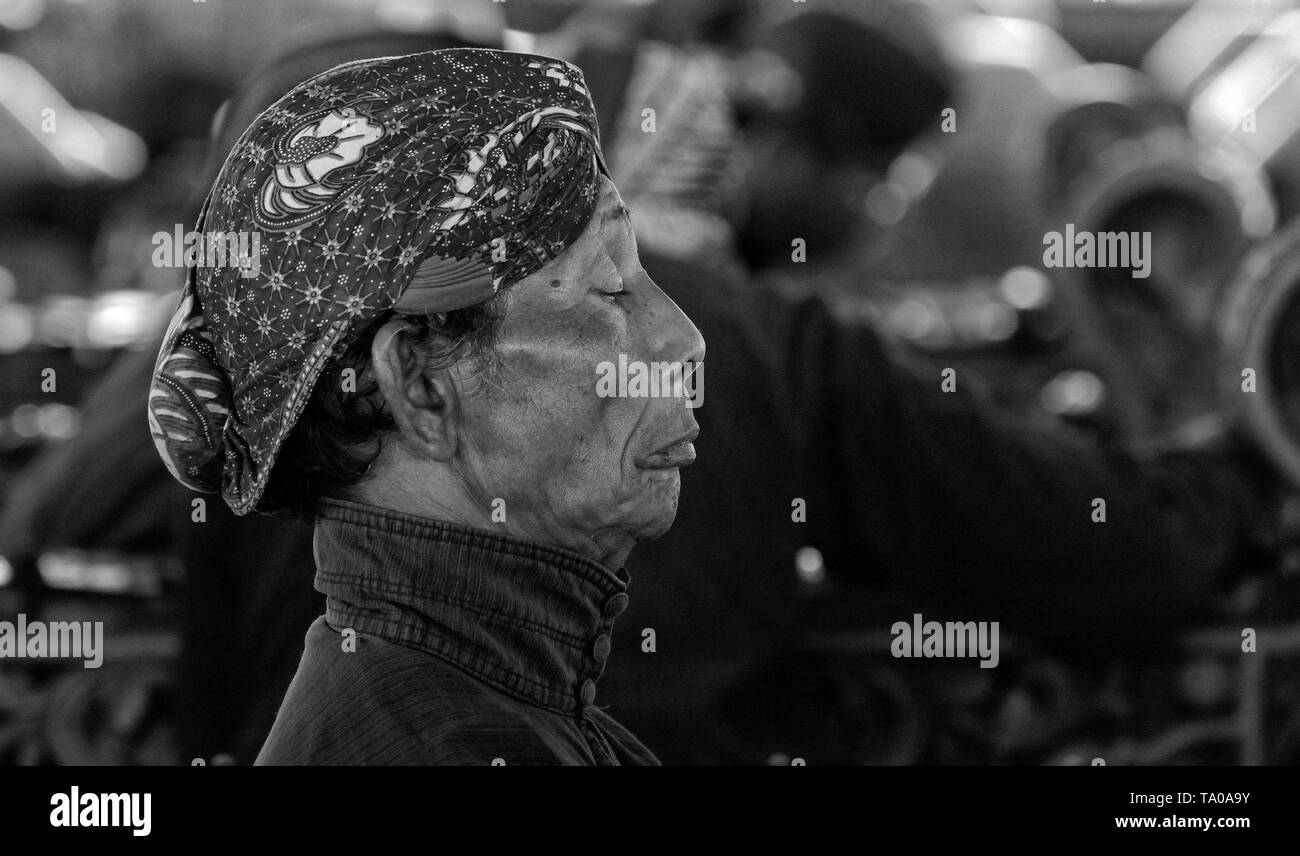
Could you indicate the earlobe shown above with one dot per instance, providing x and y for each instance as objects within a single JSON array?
[{"x": 423, "y": 402}]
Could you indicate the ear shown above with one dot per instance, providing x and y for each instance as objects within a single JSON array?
[{"x": 424, "y": 402}]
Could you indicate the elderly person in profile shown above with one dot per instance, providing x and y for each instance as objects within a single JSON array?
[{"x": 413, "y": 358}]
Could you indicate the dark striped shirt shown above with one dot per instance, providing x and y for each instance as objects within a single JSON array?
[{"x": 443, "y": 644}]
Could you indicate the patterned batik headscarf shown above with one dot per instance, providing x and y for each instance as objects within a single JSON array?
[{"x": 421, "y": 184}]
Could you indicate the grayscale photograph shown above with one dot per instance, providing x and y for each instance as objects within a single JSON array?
[{"x": 741, "y": 383}]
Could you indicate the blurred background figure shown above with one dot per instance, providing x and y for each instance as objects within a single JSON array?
[{"x": 857, "y": 192}]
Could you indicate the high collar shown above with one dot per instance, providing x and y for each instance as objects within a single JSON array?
[{"x": 531, "y": 621}]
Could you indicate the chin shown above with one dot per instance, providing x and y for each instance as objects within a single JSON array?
[
  {"x": 658, "y": 529},
  {"x": 661, "y": 509}
]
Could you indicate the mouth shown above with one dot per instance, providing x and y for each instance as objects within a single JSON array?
[{"x": 679, "y": 453}]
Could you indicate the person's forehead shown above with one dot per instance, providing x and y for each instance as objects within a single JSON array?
[
  {"x": 606, "y": 238},
  {"x": 599, "y": 251}
]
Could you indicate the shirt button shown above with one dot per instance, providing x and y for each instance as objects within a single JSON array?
[
  {"x": 615, "y": 606},
  {"x": 600, "y": 648},
  {"x": 588, "y": 693}
]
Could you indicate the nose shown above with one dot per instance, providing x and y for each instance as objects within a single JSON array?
[{"x": 672, "y": 337}]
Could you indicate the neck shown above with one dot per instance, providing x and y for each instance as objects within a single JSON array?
[{"x": 402, "y": 482}]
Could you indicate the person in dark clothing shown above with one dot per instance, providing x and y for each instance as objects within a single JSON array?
[
  {"x": 413, "y": 355},
  {"x": 934, "y": 501}
]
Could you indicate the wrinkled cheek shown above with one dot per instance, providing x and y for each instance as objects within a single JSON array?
[
  {"x": 541, "y": 444},
  {"x": 590, "y": 479},
  {"x": 552, "y": 431}
]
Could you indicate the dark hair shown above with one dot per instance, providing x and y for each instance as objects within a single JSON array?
[{"x": 340, "y": 432}]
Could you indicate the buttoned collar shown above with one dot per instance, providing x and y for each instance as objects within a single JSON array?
[{"x": 531, "y": 621}]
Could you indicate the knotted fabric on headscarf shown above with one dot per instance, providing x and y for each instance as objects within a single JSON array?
[{"x": 419, "y": 184}]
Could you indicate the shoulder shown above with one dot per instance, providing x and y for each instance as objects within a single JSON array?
[{"x": 358, "y": 699}]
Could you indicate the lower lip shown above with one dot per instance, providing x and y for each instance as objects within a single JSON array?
[{"x": 681, "y": 455}]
